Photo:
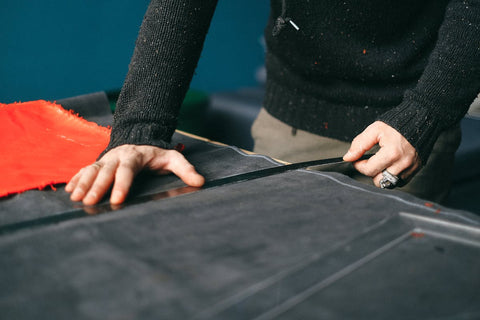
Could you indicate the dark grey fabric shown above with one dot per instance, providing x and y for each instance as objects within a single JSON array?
[
  {"x": 211, "y": 160},
  {"x": 179, "y": 257},
  {"x": 92, "y": 106},
  {"x": 298, "y": 245}
]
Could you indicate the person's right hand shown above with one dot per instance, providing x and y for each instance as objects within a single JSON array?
[{"x": 119, "y": 166}]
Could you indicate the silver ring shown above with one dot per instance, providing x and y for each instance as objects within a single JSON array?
[{"x": 389, "y": 181}]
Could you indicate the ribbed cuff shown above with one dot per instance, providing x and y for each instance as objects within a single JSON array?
[
  {"x": 140, "y": 134},
  {"x": 417, "y": 124}
]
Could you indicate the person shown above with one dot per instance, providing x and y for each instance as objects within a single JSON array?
[{"x": 397, "y": 76}]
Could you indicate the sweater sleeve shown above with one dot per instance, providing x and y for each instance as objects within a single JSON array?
[
  {"x": 166, "y": 54},
  {"x": 449, "y": 83}
]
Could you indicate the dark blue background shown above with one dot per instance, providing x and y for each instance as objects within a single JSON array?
[{"x": 54, "y": 49}]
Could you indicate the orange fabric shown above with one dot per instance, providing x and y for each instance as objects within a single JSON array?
[{"x": 42, "y": 144}]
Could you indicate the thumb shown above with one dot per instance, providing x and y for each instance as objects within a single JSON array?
[
  {"x": 178, "y": 165},
  {"x": 191, "y": 177}
]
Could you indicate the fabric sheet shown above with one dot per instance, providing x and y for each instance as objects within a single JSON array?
[{"x": 43, "y": 144}]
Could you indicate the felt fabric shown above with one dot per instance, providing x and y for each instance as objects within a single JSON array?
[{"x": 42, "y": 144}]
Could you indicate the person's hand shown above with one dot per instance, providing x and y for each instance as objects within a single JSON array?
[
  {"x": 396, "y": 154},
  {"x": 119, "y": 167}
]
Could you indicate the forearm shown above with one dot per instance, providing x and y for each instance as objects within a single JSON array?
[
  {"x": 449, "y": 83},
  {"x": 166, "y": 54}
]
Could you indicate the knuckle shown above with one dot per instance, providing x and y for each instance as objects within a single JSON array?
[
  {"x": 82, "y": 186},
  {"x": 100, "y": 184},
  {"x": 126, "y": 150},
  {"x": 414, "y": 156},
  {"x": 131, "y": 160},
  {"x": 89, "y": 170},
  {"x": 174, "y": 156},
  {"x": 149, "y": 152},
  {"x": 127, "y": 164},
  {"x": 135, "y": 155},
  {"x": 173, "y": 153},
  {"x": 408, "y": 159},
  {"x": 95, "y": 190},
  {"x": 97, "y": 165},
  {"x": 395, "y": 154},
  {"x": 369, "y": 172},
  {"x": 108, "y": 168},
  {"x": 405, "y": 163}
]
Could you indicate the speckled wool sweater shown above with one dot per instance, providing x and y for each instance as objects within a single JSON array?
[{"x": 333, "y": 67}]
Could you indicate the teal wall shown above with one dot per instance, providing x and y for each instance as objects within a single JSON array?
[{"x": 53, "y": 49}]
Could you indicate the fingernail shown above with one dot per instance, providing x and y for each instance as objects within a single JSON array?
[{"x": 116, "y": 197}]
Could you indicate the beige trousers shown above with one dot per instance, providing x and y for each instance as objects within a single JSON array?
[{"x": 276, "y": 139}]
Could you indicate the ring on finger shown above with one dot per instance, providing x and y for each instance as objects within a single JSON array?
[
  {"x": 389, "y": 180},
  {"x": 97, "y": 165}
]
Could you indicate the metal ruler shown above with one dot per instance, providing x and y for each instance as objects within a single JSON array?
[{"x": 81, "y": 211}]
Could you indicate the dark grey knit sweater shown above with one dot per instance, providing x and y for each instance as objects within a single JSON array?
[{"x": 333, "y": 67}]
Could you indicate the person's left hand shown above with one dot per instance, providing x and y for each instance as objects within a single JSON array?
[{"x": 396, "y": 154}]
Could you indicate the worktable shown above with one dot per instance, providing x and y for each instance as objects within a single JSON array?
[{"x": 302, "y": 244}]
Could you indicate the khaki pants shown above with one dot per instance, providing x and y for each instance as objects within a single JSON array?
[{"x": 276, "y": 139}]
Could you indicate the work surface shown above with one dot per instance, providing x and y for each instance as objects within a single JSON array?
[{"x": 298, "y": 245}]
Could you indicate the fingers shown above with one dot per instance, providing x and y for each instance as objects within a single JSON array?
[
  {"x": 73, "y": 182},
  {"x": 119, "y": 167},
  {"x": 123, "y": 181},
  {"x": 404, "y": 175},
  {"x": 82, "y": 182},
  {"x": 394, "y": 161},
  {"x": 383, "y": 159},
  {"x": 101, "y": 185},
  {"x": 91, "y": 183},
  {"x": 396, "y": 154}
]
